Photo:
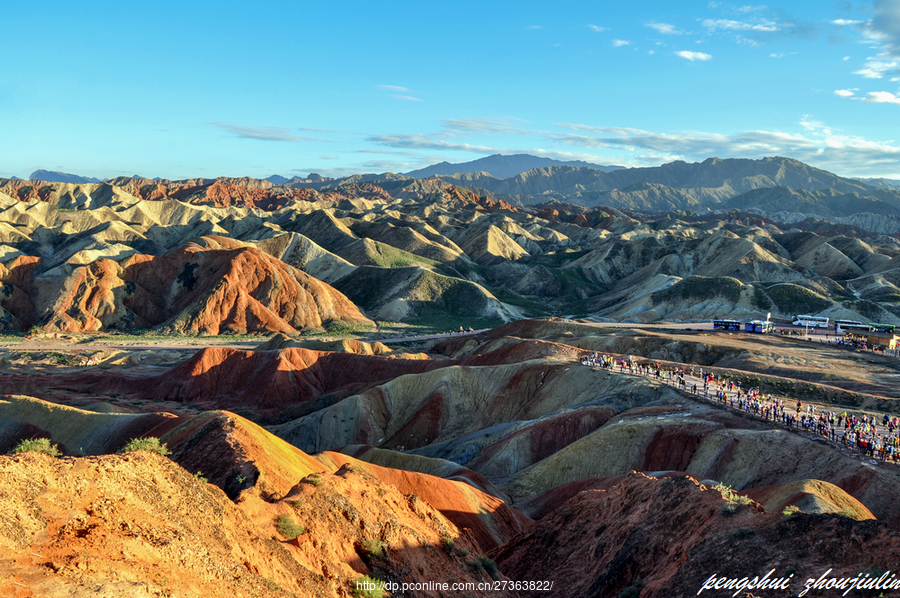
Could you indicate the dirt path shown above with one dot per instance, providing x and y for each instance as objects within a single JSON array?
[{"x": 691, "y": 381}]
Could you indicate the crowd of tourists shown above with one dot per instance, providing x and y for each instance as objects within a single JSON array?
[{"x": 878, "y": 438}]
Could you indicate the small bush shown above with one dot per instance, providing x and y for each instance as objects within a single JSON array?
[
  {"x": 289, "y": 528},
  {"x": 730, "y": 495},
  {"x": 449, "y": 544},
  {"x": 150, "y": 444},
  {"x": 485, "y": 564},
  {"x": 729, "y": 509},
  {"x": 743, "y": 532},
  {"x": 790, "y": 510},
  {"x": 372, "y": 549},
  {"x": 199, "y": 475},
  {"x": 37, "y": 445}
]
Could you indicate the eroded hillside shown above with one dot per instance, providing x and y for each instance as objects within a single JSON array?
[{"x": 120, "y": 256}]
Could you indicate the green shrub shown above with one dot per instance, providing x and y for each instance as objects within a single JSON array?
[
  {"x": 790, "y": 510},
  {"x": 760, "y": 300},
  {"x": 199, "y": 475},
  {"x": 793, "y": 299},
  {"x": 729, "y": 509},
  {"x": 338, "y": 328},
  {"x": 701, "y": 288},
  {"x": 150, "y": 444},
  {"x": 485, "y": 564},
  {"x": 313, "y": 480},
  {"x": 731, "y": 496},
  {"x": 37, "y": 445},
  {"x": 289, "y": 528},
  {"x": 371, "y": 549}
]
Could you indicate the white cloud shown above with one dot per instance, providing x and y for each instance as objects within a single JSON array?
[
  {"x": 763, "y": 25},
  {"x": 820, "y": 146},
  {"x": 809, "y": 123},
  {"x": 844, "y": 93},
  {"x": 261, "y": 133},
  {"x": 392, "y": 88},
  {"x": 482, "y": 125},
  {"x": 693, "y": 56},
  {"x": 597, "y": 28},
  {"x": 619, "y": 43},
  {"x": 419, "y": 141},
  {"x": 881, "y": 97},
  {"x": 846, "y": 58},
  {"x": 879, "y": 66},
  {"x": 407, "y": 98},
  {"x": 664, "y": 28},
  {"x": 843, "y": 22}
]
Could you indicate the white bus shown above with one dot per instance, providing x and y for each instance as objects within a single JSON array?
[
  {"x": 811, "y": 321},
  {"x": 851, "y": 326}
]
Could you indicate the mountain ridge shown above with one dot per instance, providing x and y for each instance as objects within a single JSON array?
[{"x": 502, "y": 166}]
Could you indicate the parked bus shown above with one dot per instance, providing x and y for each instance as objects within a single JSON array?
[
  {"x": 886, "y": 328},
  {"x": 811, "y": 321},
  {"x": 850, "y": 326},
  {"x": 727, "y": 325},
  {"x": 759, "y": 326}
]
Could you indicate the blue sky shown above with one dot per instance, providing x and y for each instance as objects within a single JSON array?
[{"x": 200, "y": 89}]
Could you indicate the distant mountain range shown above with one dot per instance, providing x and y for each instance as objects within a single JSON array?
[
  {"x": 502, "y": 167},
  {"x": 776, "y": 187},
  {"x": 882, "y": 183},
  {"x": 52, "y": 176}
]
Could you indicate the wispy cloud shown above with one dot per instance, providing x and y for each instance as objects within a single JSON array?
[
  {"x": 844, "y": 93},
  {"x": 597, "y": 28},
  {"x": 845, "y": 22},
  {"x": 820, "y": 146},
  {"x": 392, "y": 88},
  {"x": 878, "y": 67},
  {"x": 694, "y": 56},
  {"x": 419, "y": 141},
  {"x": 407, "y": 98},
  {"x": 762, "y": 25},
  {"x": 618, "y": 43},
  {"x": 534, "y": 27},
  {"x": 262, "y": 133},
  {"x": 881, "y": 97},
  {"x": 664, "y": 28},
  {"x": 482, "y": 125}
]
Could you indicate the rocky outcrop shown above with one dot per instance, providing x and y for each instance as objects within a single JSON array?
[{"x": 668, "y": 537}]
